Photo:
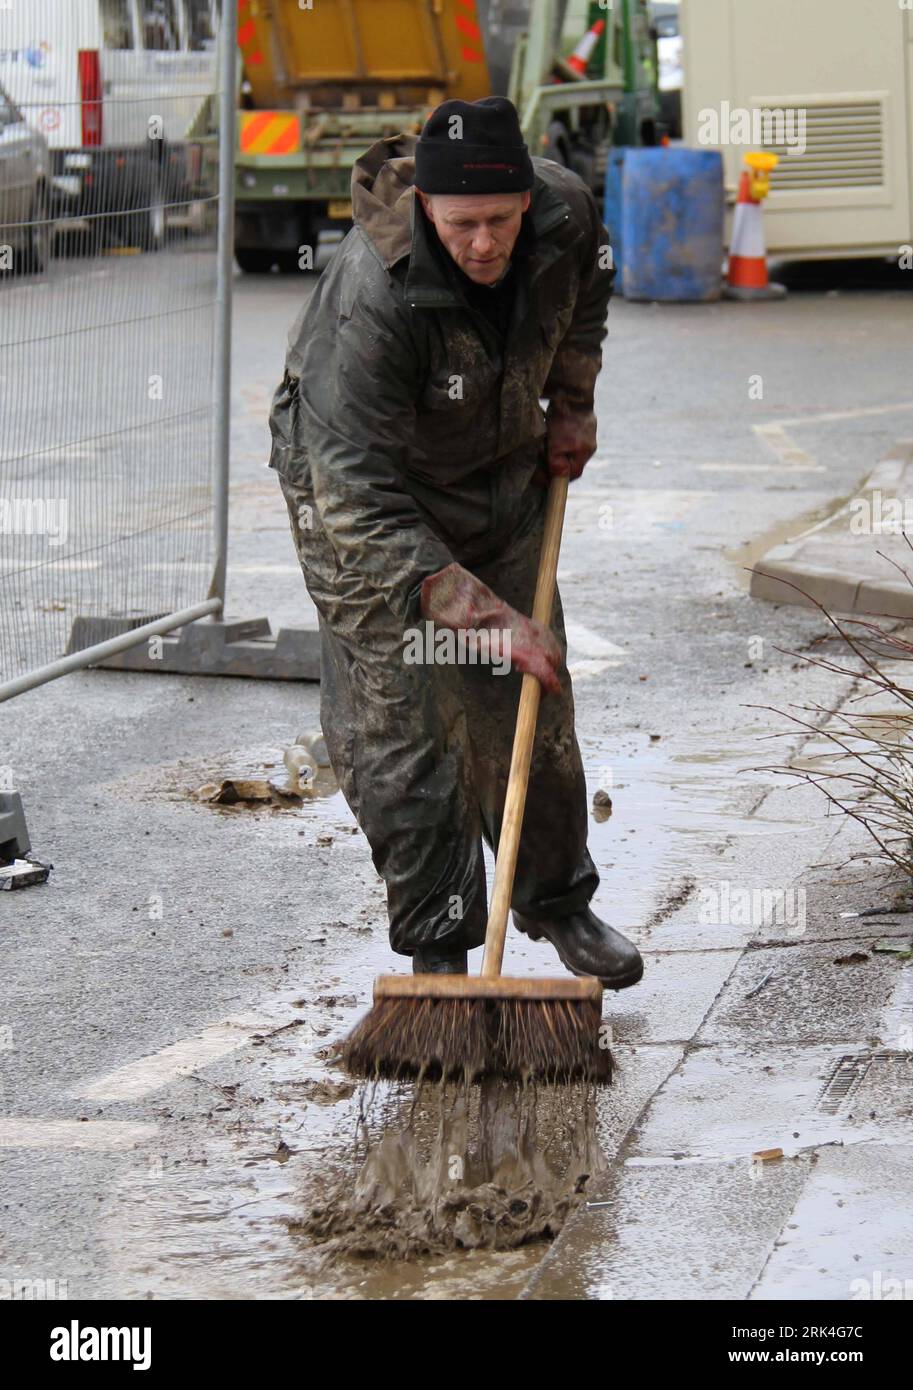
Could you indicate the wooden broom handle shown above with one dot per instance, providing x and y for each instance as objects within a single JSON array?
[{"x": 527, "y": 714}]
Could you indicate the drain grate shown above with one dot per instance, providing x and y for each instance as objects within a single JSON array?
[
  {"x": 844, "y": 1079},
  {"x": 851, "y": 1071}
]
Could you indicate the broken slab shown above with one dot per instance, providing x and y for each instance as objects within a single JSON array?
[{"x": 22, "y": 873}]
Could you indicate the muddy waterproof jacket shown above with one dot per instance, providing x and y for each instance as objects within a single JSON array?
[{"x": 411, "y": 423}]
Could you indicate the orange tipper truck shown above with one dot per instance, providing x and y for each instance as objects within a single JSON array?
[{"x": 320, "y": 84}]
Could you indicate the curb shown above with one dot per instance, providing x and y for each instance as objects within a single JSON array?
[{"x": 842, "y": 571}]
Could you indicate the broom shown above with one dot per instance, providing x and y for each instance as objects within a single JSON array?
[{"x": 489, "y": 1025}]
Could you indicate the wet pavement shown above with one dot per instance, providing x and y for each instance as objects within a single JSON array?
[{"x": 170, "y": 1101}]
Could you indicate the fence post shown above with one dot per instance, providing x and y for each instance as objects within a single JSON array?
[{"x": 226, "y": 249}]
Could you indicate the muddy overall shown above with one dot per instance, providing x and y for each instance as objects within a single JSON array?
[
  {"x": 408, "y": 435},
  {"x": 422, "y": 753}
]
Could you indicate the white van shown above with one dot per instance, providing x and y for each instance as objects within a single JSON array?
[{"x": 119, "y": 89}]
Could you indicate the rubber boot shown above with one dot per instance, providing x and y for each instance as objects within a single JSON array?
[
  {"x": 437, "y": 959},
  {"x": 588, "y": 946}
]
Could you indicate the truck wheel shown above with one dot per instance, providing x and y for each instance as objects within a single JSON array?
[
  {"x": 583, "y": 163},
  {"x": 287, "y": 261},
  {"x": 557, "y": 145},
  {"x": 154, "y": 221},
  {"x": 254, "y": 261}
]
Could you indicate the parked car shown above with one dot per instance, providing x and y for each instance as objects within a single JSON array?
[{"x": 25, "y": 212}]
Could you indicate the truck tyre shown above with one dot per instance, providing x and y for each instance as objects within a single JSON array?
[
  {"x": 583, "y": 163},
  {"x": 153, "y": 220},
  {"x": 557, "y": 145},
  {"x": 255, "y": 261},
  {"x": 287, "y": 261}
]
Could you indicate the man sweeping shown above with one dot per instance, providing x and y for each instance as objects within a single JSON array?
[{"x": 412, "y": 448}]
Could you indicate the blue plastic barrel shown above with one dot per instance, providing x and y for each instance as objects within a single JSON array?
[
  {"x": 612, "y": 212},
  {"x": 672, "y": 223}
]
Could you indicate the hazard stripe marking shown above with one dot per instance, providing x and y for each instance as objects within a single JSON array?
[
  {"x": 251, "y": 126},
  {"x": 270, "y": 132},
  {"x": 286, "y": 141}
]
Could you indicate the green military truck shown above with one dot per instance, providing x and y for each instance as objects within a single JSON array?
[{"x": 320, "y": 83}]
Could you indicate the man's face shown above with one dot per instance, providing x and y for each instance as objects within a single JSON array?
[{"x": 479, "y": 231}]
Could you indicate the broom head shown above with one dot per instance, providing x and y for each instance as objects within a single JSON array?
[{"x": 468, "y": 1027}]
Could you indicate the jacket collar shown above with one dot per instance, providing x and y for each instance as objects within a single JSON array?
[{"x": 553, "y": 232}]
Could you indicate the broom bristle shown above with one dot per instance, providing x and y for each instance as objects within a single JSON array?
[{"x": 549, "y": 1040}]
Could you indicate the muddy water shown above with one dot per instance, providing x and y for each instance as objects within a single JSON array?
[
  {"x": 382, "y": 1195},
  {"x": 238, "y": 1211},
  {"x": 492, "y": 1168},
  {"x": 750, "y": 554},
  {"x": 675, "y": 805}
]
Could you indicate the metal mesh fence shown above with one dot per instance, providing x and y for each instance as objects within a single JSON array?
[{"x": 109, "y": 193}]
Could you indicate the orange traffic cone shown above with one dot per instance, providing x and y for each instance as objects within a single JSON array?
[
  {"x": 747, "y": 277},
  {"x": 578, "y": 60}
]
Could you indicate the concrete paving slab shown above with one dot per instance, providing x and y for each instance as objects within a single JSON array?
[
  {"x": 801, "y": 994},
  {"x": 850, "y": 1235},
  {"x": 754, "y": 1229},
  {"x": 673, "y": 997},
  {"x": 640, "y": 1072},
  {"x": 847, "y": 903},
  {"x": 634, "y": 1247},
  {"x": 731, "y": 1102}
]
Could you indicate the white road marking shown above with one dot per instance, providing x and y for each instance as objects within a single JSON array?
[
  {"x": 582, "y": 670},
  {"x": 583, "y": 642},
  {"x": 774, "y": 435},
  {"x": 151, "y": 1073},
  {"x": 786, "y": 448},
  {"x": 746, "y": 468},
  {"x": 72, "y": 1134},
  {"x": 827, "y": 416}
]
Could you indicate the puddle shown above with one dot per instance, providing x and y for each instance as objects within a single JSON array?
[
  {"x": 676, "y": 805},
  {"x": 230, "y": 1206},
  {"x": 238, "y": 1214},
  {"x": 749, "y": 554},
  {"x": 677, "y": 802}
]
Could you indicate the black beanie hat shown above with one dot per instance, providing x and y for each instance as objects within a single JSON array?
[{"x": 473, "y": 147}]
